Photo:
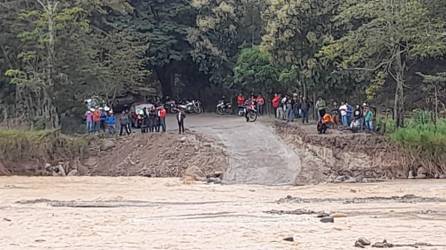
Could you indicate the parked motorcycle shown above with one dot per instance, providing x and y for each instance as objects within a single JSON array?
[
  {"x": 193, "y": 106},
  {"x": 224, "y": 108},
  {"x": 171, "y": 107}
]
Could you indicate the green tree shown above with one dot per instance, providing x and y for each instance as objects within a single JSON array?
[
  {"x": 254, "y": 71},
  {"x": 385, "y": 37}
]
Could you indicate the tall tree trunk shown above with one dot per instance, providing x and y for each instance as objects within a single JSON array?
[{"x": 399, "y": 91}]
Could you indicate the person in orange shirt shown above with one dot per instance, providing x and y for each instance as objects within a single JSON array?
[
  {"x": 324, "y": 122},
  {"x": 96, "y": 120}
]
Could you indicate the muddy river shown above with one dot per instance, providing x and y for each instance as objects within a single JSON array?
[{"x": 144, "y": 213}]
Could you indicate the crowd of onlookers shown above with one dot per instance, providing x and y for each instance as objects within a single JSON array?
[
  {"x": 292, "y": 107},
  {"x": 148, "y": 120}
]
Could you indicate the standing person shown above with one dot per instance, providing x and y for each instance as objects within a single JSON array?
[
  {"x": 305, "y": 108},
  {"x": 151, "y": 119},
  {"x": 343, "y": 112},
  {"x": 275, "y": 103},
  {"x": 143, "y": 120},
  {"x": 335, "y": 115},
  {"x": 124, "y": 121},
  {"x": 240, "y": 102},
  {"x": 89, "y": 120},
  {"x": 349, "y": 113},
  {"x": 180, "y": 118},
  {"x": 321, "y": 106},
  {"x": 289, "y": 110},
  {"x": 103, "y": 117},
  {"x": 357, "y": 114},
  {"x": 260, "y": 103},
  {"x": 368, "y": 117},
  {"x": 96, "y": 119},
  {"x": 111, "y": 122},
  {"x": 162, "y": 115},
  {"x": 297, "y": 106},
  {"x": 283, "y": 104}
]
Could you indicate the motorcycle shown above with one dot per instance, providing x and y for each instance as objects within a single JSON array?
[
  {"x": 171, "y": 107},
  {"x": 224, "y": 108},
  {"x": 251, "y": 111},
  {"x": 193, "y": 106}
]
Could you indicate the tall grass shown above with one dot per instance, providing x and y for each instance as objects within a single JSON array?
[
  {"x": 42, "y": 145},
  {"x": 424, "y": 141}
]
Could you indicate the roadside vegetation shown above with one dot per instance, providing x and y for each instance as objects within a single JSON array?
[
  {"x": 424, "y": 142},
  {"x": 40, "y": 145}
]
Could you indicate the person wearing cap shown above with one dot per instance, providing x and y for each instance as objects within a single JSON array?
[{"x": 89, "y": 120}]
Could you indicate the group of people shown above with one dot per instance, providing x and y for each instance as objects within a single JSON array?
[
  {"x": 358, "y": 118},
  {"x": 289, "y": 108},
  {"x": 100, "y": 119},
  {"x": 154, "y": 120},
  {"x": 253, "y": 101}
]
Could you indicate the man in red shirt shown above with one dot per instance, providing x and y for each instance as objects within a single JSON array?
[
  {"x": 260, "y": 103},
  {"x": 240, "y": 100},
  {"x": 162, "y": 115},
  {"x": 276, "y": 103}
]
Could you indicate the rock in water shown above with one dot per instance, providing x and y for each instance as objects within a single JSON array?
[
  {"x": 291, "y": 238},
  {"x": 327, "y": 220},
  {"x": 364, "y": 241}
]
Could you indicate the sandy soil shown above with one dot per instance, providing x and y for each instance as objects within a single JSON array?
[{"x": 146, "y": 213}]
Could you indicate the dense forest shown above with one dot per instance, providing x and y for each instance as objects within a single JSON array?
[{"x": 56, "y": 53}]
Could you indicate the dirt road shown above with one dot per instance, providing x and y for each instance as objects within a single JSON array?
[
  {"x": 143, "y": 213},
  {"x": 256, "y": 154}
]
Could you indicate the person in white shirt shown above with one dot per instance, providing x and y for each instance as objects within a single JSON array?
[{"x": 343, "y": 111}]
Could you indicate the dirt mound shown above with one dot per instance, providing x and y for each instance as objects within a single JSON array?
[
  {"x": 156, "y": 155},
  {"x": 342, "y": 156}
]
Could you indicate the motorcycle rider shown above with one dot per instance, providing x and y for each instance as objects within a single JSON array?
[{"x": 249, "y": 106}]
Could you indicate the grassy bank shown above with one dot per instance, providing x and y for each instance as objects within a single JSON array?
[
  {"x": 42, "y": 145},
  {"x": 425, "y": 143}
]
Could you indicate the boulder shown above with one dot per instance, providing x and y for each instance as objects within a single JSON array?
[
  {"x": 107, "y": 145},
  {"x": 327, "y": 220}
]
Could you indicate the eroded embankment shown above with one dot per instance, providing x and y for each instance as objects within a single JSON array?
[
  {"x": 151, "y": 155},
  {"x": 341, "y": 156}
]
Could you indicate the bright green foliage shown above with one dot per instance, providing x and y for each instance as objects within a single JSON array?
[
  {"x": 426, "y": 141},
  {"x": 383, "y": 38},
  {"x": 255, "y": 72}
]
